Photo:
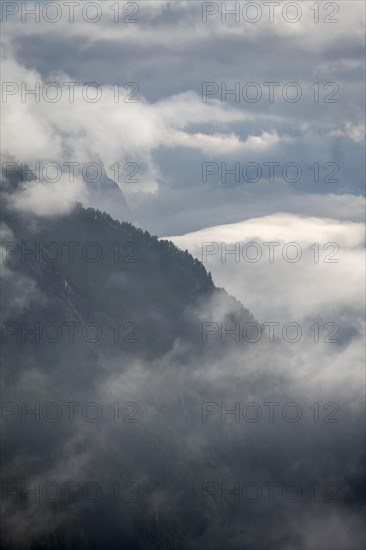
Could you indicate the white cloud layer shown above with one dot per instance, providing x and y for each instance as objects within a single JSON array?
[{"x": 282, "y": 289}]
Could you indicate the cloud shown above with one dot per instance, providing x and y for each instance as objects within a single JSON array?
[
  {"x": 63, "y": 132},
  {"x": 308, "y": 288},
  {"x": 214, "y": 144},
  {"x": 170, "y": 453},
  {"x": 356, "y": 132},
  {"x": 170, "y": 115}
]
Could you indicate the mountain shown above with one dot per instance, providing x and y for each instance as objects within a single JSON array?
[
  {"x": 127, "y": 419},
  {"x": 85, "y": 268},
  {"x": 99, "y": 311},
  {"x": 99, "y": 190},
  {"x": 105, "y": 194}
]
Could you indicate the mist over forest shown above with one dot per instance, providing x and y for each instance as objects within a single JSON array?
[{"x": 182, "y": 276}]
